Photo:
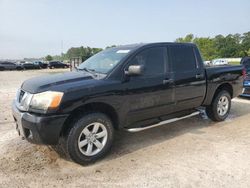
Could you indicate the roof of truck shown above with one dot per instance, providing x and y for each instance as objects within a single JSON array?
[{"x": 138, "y": 45}]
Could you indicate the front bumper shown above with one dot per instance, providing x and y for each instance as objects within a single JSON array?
[
  {"x": 246, "y": 92},
  {"x": 39, "y": 129}
]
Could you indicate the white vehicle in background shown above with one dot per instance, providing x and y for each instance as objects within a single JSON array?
[
  {"x": 220, "y": 62},
  {"x": 207, "y": 63}
]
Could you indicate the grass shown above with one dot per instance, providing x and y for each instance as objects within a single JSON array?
[{"x": 234, "y": 63}]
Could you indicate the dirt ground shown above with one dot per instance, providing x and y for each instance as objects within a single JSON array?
[{"x": 194, "y": 152}]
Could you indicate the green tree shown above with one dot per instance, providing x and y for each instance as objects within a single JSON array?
[
  {"x": 207, "y": 48},
  {"x": 96, "y": 50},
  {"x": 187, "y": 38},
  {"x": 232, "y": 45},
  {"x": 110, "y": 46},
  {"x": 48, "y": 58},
  {"x": 246, "y": 43},
  {"x": 82, "y": 52},
  {"x": 228, "y": 46}
]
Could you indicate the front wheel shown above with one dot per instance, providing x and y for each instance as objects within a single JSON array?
[
  {"x": 220, "y": 106},
  {"x": 90, "y": 138}
]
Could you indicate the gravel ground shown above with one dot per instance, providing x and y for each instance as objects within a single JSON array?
[{"x": 194, "y": 152}]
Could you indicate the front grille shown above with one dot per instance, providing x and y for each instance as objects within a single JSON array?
[
  {"x": 21, "y": 94},
  {"x": 246, "y": 90}
]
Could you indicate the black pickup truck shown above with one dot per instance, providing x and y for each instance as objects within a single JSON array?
[{"x": 130, "y": 87}]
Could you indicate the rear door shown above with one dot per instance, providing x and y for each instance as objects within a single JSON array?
[
  {"x": 9, "y": 65},
  {"x": 6, "y": 65},
  {"x": 189, "y": 76},
  {"x": 59, "y": 65},
  {"x": 52, "y": 64},
  {"x": 12, "y": 66}
]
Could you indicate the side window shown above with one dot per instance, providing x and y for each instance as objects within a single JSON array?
[
  {"x": 152, "y": 60},
  {"x": 182, "y": 58}
]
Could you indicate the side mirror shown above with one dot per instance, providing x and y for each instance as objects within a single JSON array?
[{"x": 134, "y": 70}]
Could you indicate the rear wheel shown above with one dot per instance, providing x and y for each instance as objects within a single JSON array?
[
  {"x": 90, "y": 138},
  {"x": 19, "y": 68},
  {"x": 220, "y": 106}
]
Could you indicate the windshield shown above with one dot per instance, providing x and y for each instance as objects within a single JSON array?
[{"x": 104, "y": 61}]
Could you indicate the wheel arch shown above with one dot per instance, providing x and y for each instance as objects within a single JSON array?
[
  {"x": 92, "y": 107},
  {"x": 213, "y": 91},
  {"x": 212, "y": 109},
  {"x": 225, "y": 86}
]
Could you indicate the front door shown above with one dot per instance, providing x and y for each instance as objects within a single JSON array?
[{"x": 149, "y": 95}]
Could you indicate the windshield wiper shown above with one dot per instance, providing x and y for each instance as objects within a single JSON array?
[{"x": 88, "y": 70}]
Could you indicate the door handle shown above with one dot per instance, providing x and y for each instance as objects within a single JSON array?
[
  {"x": 198, "y": 76},
  {"x": 169, "y": 81}
]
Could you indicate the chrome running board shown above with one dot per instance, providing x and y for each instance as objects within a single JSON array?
[{"x": 162, "y": 123}]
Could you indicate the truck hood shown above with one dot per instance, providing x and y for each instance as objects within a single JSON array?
[{"x": 58, "y": 82}]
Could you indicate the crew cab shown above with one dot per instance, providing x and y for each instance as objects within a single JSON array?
[{"x": 131, "y": 87}]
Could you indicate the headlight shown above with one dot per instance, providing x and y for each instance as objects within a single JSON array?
[{"x": 44, "y": 101}]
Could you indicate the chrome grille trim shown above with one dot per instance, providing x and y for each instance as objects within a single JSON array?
[
  {"x": 23, "y": 99},
  {"x": 21, "y": 96}
]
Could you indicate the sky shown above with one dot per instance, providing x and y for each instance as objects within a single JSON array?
[{"x": 36, "y": 28}]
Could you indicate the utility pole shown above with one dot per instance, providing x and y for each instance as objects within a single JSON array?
[{"x": 61, "y": 47}]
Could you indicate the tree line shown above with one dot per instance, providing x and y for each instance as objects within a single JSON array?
[
  {"x": 75, "y": 52},
  {"x": 232, "y": 45}
]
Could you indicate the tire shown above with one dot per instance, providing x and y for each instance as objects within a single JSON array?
[
  {"x": 19, "y": 68},
  {"x": 78, "y": 134},
  {"x": 220, "y": 106}
]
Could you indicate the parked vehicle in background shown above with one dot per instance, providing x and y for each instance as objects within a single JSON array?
[
  {"x": 220, "y": 62},
  {"x": 41, "y": 64},
  {"x": 30, "y": 65},
  {"x": 20, "y": 62},
  {"x": 5, "y": 65},
  {"x": 57, "y": 64},
  {"x": 246, "y": 84},
  {"x": 131, "y": 88},
  {"x": 207, "y": 63}
]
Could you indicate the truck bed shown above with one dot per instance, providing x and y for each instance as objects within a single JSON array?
[{"x": 217, "y": 75}]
